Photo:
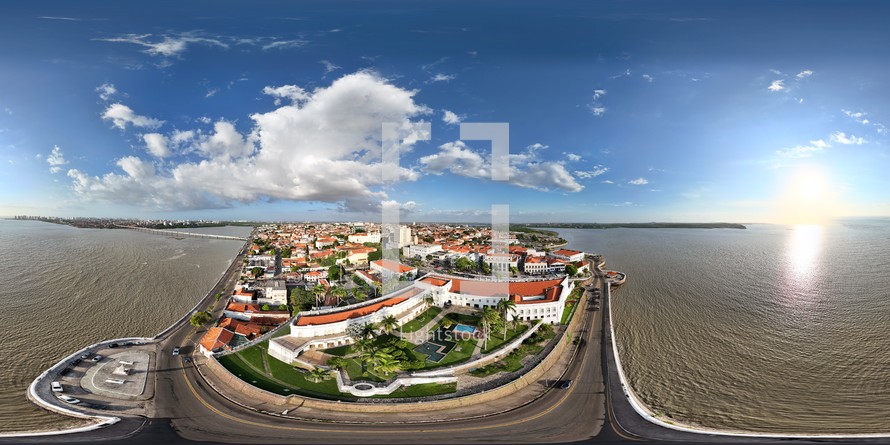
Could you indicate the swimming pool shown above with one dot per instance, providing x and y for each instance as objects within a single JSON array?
[{"x": 465, "y": 329}]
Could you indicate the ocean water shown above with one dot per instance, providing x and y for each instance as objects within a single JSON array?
[
  {"x": 64, "y": 288},
  {"x": 770, "y": 329}
]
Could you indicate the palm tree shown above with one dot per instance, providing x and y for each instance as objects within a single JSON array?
[
  {"x": 319, "y": 290},
  {"x": 490, "y": 318},
  {"x": 428, "y": 300},
  {"x": 505, "y": 306},
  {"x": 318, "y": 374},
  {"x": 360, "y": 295},
  {"x": 369, "y": 330},
  {"x": 340, "y": 293},
  {"x": 389, "y": 323},
  {"x": 386, "y": 364},
  {"x": 337, "y": 363}
]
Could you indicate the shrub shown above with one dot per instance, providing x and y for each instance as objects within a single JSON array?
[{"x": 265, "y": 307}]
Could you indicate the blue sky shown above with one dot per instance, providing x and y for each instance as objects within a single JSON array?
[{"x": 619, "y": 111}]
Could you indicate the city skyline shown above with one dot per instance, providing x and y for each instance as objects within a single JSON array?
[{"x": 686, "y": 112}]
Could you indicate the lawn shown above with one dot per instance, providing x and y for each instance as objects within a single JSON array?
[
  {"x": 421, "y": 319},
  {"x": 254, "y": 355},
  {"x": 295, "y": 382},
  {"x": 422, "y": 390},
  {"x": 462, "y": 351},
  {"x": 472, "y": 320},
  {"x": 339, "y": 351},
  {"x": 511, "y": 363},
  {"x": 568, "y": 312},
  {"x": 497, "y": 339}
]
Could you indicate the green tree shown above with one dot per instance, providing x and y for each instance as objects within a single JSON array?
[
  {"x": 198, "y": 319},
  {"x": 571, "y": 270},
  {"x": 337, "y": 362},
  {"x": 265, "y": 307},
  {"x": 464, "y": 263},
  {"x": 334, "y": 273},
  {"x": 375, "y": 255},
  {"x": 320, "y": 291},
  {"x": 386, "y": 364},
  {"x": 282, "y": 307},
  {"x": 340, "y": 293},
  {"x": 301, "y": 298},
  {"x": 286, "y": 252},
  {"x": 317, "y": 375},
  {"x": 369, "y": 330},
  {"x": 217, "y": 296},
  {"x": 257, "y": 271},
  {"x": 490, "y": 319},
  {"x": 506, "y": 306},
  {"x": 389, "y": 323},
  {"x": 360, "y": 295}
]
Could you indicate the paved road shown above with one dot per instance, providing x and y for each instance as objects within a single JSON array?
[{"x": 188, "y": 410}]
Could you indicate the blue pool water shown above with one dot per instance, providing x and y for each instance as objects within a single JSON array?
[{"x": 465, "y": 328}]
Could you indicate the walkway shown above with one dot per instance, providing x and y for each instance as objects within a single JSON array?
[{"x": 421, "y": 335}]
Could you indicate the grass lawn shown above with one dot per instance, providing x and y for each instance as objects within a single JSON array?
[
  {"x": 254, "y": 354},
  {"x": 510, "y": 363},
  {"x": 462, "y": 351},
  {"x": 423, "y": 390},
  {"x": 497, "y": 340},
  {"x": 568, "y": 312},
  {"x": 295, "y": 381},
  {"x": 472, "y": 320},
  {"x": 354, "y": 371},
  {"x": 339, "y": 351},
  {"x": 421, "y": 319}
]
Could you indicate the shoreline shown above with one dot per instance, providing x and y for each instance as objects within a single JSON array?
[
  {"x": 101, "y": 421},
  {"x": 666, "y": 422}
]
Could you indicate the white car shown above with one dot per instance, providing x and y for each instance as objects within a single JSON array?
[
  {"x": 69, "y": 399},
  {"x": 176, "y": 350},
  {"x": 56, "y": 387}
]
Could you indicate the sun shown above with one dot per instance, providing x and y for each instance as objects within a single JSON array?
[{"x": 809, "y": 197}]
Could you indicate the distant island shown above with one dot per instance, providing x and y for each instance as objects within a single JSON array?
[{"x": 651, "y": 225}]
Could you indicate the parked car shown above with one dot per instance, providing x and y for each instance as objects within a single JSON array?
[
  {"x": 69, "y": 399},
  {"x": 566, "y": 384},
  {"x": 56, "y": 387},
  {"x": 96, "y": 358},
  {"x": 176, "y": 350},
  {"x": 76, "y": 362},
  {"x": 113, "y": 345},
  {"x": 85, "y": 356},
  {"x": 65, "y": 371}
]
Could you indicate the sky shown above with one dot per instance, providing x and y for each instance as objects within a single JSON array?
[{"x": 694, "y": 111}]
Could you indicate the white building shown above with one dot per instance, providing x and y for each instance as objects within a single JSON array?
[
  {"x": 362, "y": 238},
  {"x": 535, "y": 265},
  {"x": 568, "y": 255},
  {"x": 535, "y": 300},
  {"x": 421, "y": 250},
  {"x": 501, "y": 263},
  {"x": 274, "y": 293}
]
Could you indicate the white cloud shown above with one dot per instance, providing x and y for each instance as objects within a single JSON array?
[
  {"x": 211, "y": 92},
  {"x": 525, "y": 170},
  {"x": 292, "y": 92},
  {"x": 804, "y": 151},
  {"x": 451, "y": 118},
  {"x": 648, "y": 78},
  {"x": 284, "y": 44},
  {"x": 638, "y": 181},
  {"x": 597, "y": 171},
  {"x": 156, "y": 144},
  {"x": 775, "y": 71},
  {"x": 607, "y": 181},
  {"x": 56, "y": 159},
  {"x": 858, "y": 116},
  {"x": 121, "y": 115},
  {"x": 777, "y": 85},
  {"x": 225, "y": 142},
  {"x": 841, "y": 138},
  {"x": 598, "y": 111},
  {"x": 329, "y": 66},
  {"x": 804, "y": 74},
  {"x": 598, "y": 93},
  {"x": 167, "y": 45},
  {"x": 440, "y": 77},
  {"x": 324, "y": 149},
  {"x": 136, "y": 168},
  {"x": 573, "y": 157},
  {"x": 106, "y": 90}
]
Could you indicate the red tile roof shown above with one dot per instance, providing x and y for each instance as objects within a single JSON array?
[
  {"x": 434, "y": 281},
  {"x": 491, "y": 288},
  {"x": 356, "y": 313},
  {"x": 217, "y": 338},
  {"x": 394, "y": 266},
  {"x": 567, "y": 252}
]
